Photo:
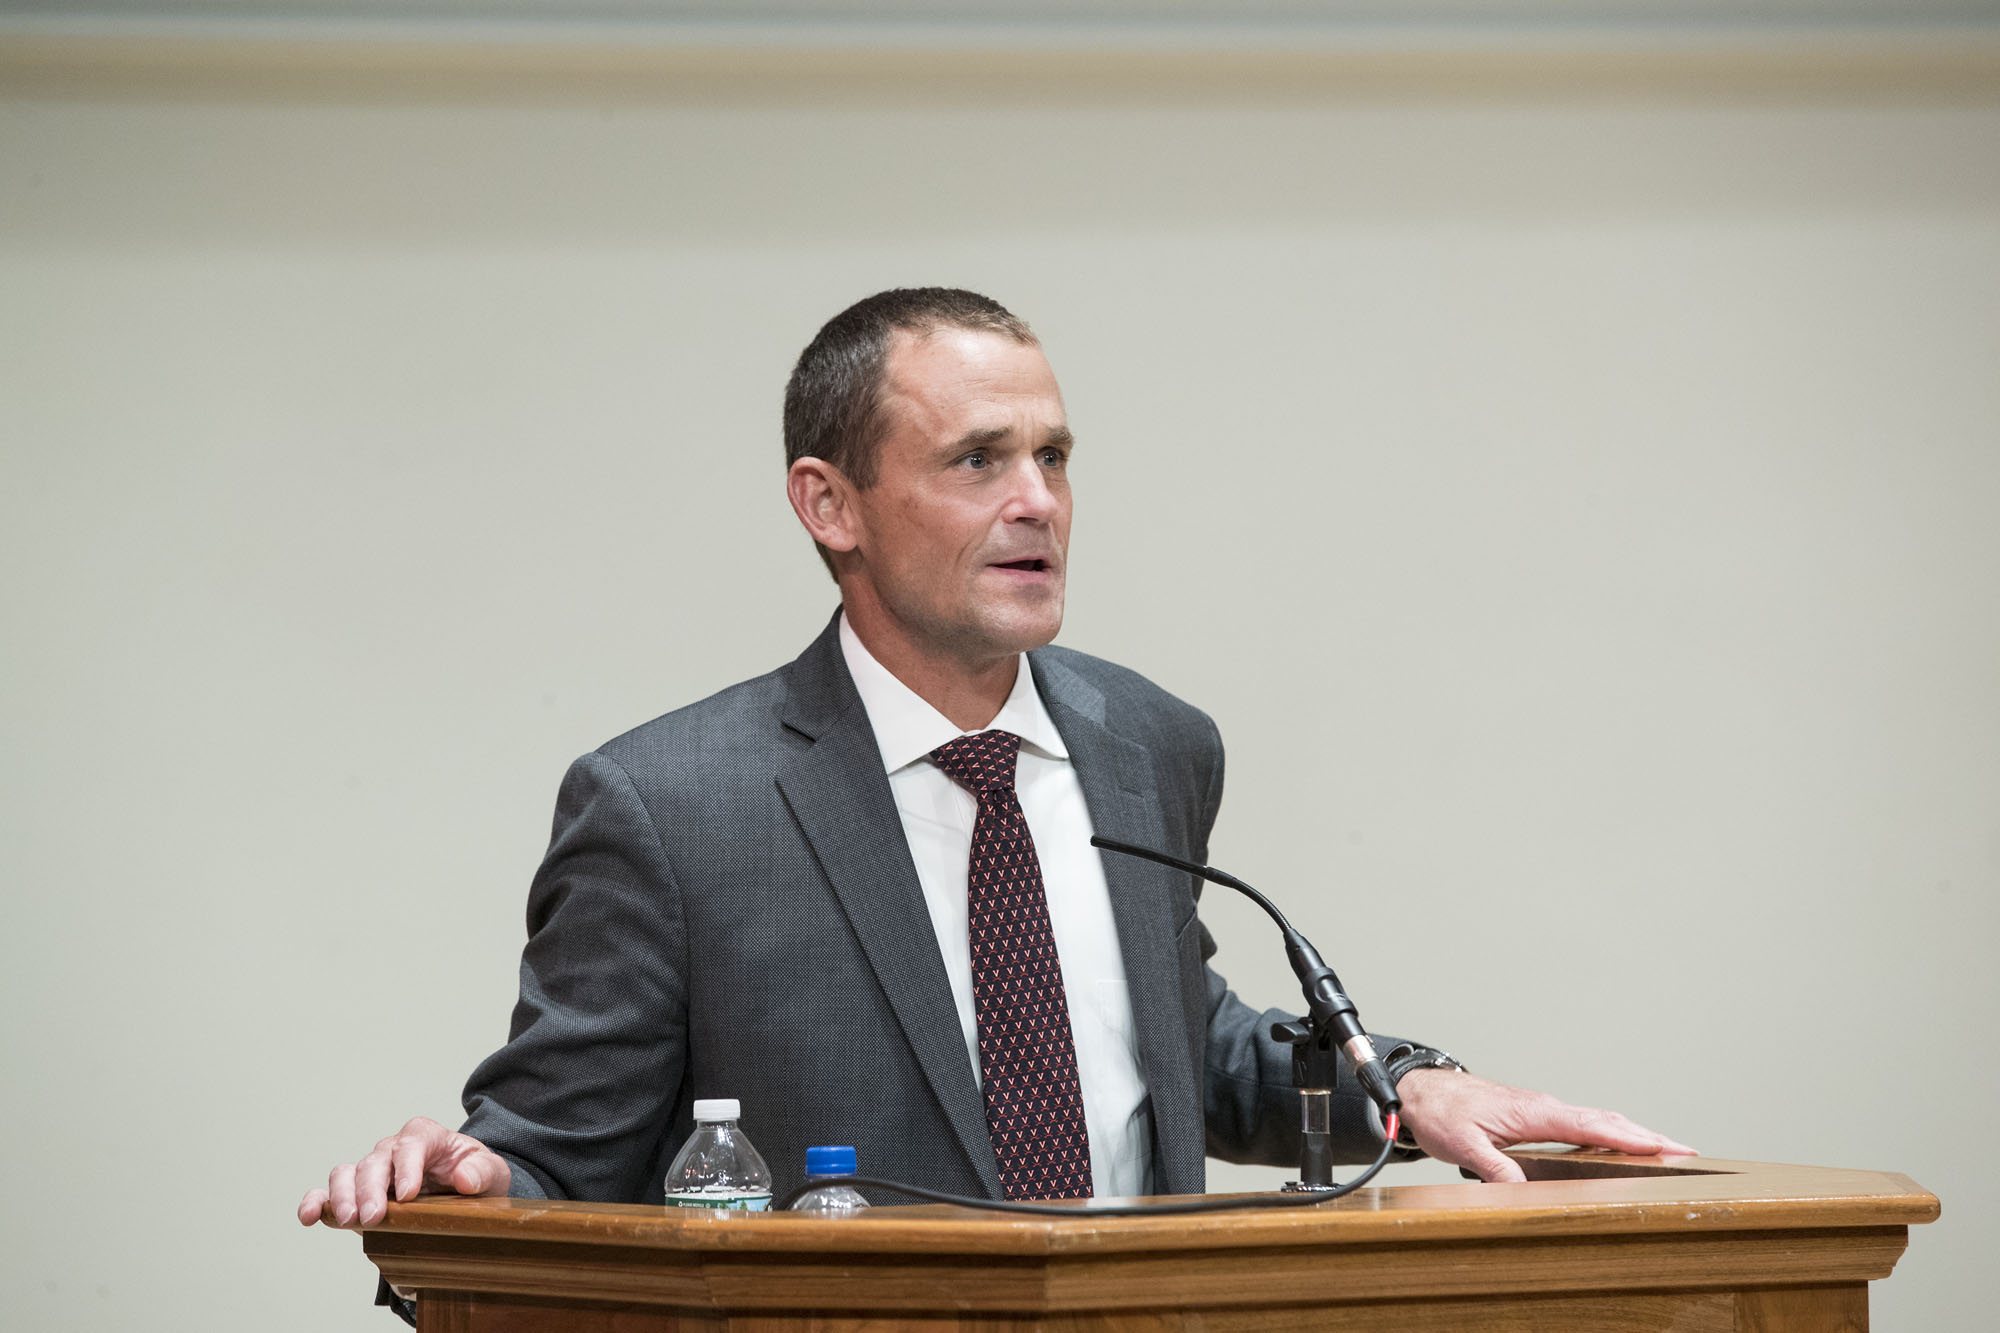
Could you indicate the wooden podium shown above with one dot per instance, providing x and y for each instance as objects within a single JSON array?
[{"x": 1593, "y": 1241}]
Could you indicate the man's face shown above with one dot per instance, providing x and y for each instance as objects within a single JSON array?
[{"x": 963, "y": 539}]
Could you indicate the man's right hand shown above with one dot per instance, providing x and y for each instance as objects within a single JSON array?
[{"x": 421, "y": 1156}]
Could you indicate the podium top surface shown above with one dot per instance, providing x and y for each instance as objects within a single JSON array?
[{"x": 1568, "y": 1193}]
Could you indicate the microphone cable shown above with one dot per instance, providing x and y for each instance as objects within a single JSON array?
[{"x": 1208, "y": 1204}]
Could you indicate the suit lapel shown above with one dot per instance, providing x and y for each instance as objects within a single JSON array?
[
  {"x": 840, "y": 796},
  {"x": 1122, "y": 794}
]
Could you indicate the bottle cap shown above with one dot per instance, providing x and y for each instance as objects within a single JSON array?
[
  {"x": 829, "y": 1161},
  {"x": 717, "y": 1108}
]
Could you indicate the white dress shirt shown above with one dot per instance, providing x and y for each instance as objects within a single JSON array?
[{"x": 938, "y": 815}]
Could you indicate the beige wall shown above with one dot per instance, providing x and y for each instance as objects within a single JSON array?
[{"x": 1577, "y": 507}]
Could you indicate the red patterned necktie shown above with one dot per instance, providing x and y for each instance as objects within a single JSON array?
[{"x": 1034, "y": 1105}]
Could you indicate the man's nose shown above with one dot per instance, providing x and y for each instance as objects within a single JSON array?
[{"x": 1033, "y": 498}]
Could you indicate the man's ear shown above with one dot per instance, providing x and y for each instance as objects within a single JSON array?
[{"x": 822, "y": 497}]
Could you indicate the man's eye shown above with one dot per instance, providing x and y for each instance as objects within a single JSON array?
[
  {"x": 976, "y": 459},
  {"x": 1054, "y": 458}
]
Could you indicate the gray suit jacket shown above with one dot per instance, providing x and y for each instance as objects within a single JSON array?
[{"x": 728, "y": 909}]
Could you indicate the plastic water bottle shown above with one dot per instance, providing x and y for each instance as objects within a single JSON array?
[
  {"x": 717, "y": 1167},
  {"x": 833, "y": 1200}
]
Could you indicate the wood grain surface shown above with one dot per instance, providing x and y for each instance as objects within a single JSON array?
[{"x": 1592, "y": 1240}]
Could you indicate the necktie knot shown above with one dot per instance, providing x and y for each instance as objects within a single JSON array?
[{"x": 981, "y": 763}]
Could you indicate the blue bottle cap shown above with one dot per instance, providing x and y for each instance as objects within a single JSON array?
[{"x": 829, "y": 1161}]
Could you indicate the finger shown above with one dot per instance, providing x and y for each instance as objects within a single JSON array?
[
  {"x": 479, "y": 1173},
  {"x": 340, "y": 1194},
  {"x": 310, "y": 1207},
  {"x": 409, "y": 1159},
  {"x": 1493, "y": 1166},
  {"x": 1657, "y": 1143},
  {"x": 446, "y": 1156},
  {"x": 371, "y": 1187},
  {"x": 483, "y": 1171},
  {"x": 421, "y": 1127},
  {"x": 1607, "y": 1129}
]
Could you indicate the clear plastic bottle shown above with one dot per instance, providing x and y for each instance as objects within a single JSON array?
[
  {"x": 717, "y": 1167},
  {"x": 833, "y": 1200}
]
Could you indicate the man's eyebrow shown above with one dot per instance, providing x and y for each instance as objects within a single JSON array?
[
  {"x": 979, "y": 439},
  {"x": 1058, "y": 437}
]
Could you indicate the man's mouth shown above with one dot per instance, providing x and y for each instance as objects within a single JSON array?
[{"x": 1025, "y": 566}]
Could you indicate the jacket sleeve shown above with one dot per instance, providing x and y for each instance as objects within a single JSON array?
[{"x": 579, "y": 1097}]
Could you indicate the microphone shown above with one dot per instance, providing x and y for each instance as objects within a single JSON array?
[{"x": 1326, "y": 999}]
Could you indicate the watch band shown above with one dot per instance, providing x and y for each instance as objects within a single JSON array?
[{"x": 1407, "y": 1057}]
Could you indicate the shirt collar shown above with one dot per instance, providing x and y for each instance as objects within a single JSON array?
[{"x": 908, "y": 728}]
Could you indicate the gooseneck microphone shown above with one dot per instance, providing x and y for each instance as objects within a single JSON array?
[
  {"x": 1333, "y": 1023},
  {"x": 1326, "y": 1000}
]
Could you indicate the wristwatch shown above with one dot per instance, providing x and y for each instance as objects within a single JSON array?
[{"x": 1407, "y": 1057}]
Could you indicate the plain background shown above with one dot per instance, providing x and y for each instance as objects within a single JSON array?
[{"x": 1574, "y": 498}]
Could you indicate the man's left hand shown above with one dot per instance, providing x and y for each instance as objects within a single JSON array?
[{"x": 1463, "y": 1119}]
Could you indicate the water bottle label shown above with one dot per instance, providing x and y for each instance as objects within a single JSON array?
[{"x": 724, "y": 1198}]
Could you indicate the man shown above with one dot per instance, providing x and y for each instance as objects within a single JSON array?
[{"x": 766, "y": 895}]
